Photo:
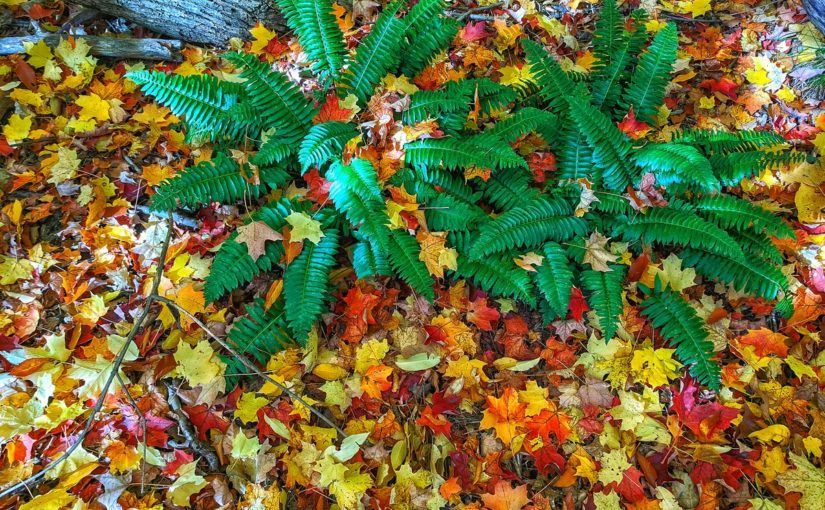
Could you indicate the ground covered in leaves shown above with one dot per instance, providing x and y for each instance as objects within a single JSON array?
[{"x": 465, "y": 403}]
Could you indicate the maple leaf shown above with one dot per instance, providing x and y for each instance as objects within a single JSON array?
[
  {"x": 304, "y": 227},
  {"x": 505, "y": 497},
  {"x": 199, "y": 365},
  {"x": 765, "y": 342},
  {"x": 434, "y": 253},
  {"x": 187, "y": 484},
  {"x": 655, "y": 366},
  {"x": 633, "y": 128},
  {"x": 17, "y": 128},
  {"x": 93, "y": 107},
  {"x": 614, "y": 464},
  {"x": 349, "y": 488},
  {"x": 505, "y": 414},
  {"x": 805, "y": 479},
  {"x": 597, "y": 254},
  {"x": 376, "y": 380},
  {"x": 255, "y": 235},
  {"x": 482, "y": 315}
]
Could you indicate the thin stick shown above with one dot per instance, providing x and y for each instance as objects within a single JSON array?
[
  {"x": 24, "y": 484},
  {"x": 142, "y": 417},
  {"x": 251, "y": 367}
]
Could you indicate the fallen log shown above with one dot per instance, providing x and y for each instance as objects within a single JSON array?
[
  {"x": 816, "y": 13},
  {"x": 199, "y": 21},
  {"x": 123, "y": 48}
]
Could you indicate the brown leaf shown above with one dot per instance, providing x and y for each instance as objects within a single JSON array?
[{"x": 255, "y": 235}]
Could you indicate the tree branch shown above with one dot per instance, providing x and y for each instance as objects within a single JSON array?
[{"x": 24, "y": 484}]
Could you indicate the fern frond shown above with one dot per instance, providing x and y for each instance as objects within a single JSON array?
[
  {"x": 368, "y": 260},
  {"x": 449, "y": 182},
  {"x": 427, "y": 44},
  {"x": 609, "y": 35},
  {"x": 305, "y": 283},
  {"x": 733, "y": 167},
  {"x": 730, "y": 212},
  {"x": 427, "y": 104},
  {"x": 491, "y": 95},
  {"x": 646, "y": 90},
  {"x": 273, "y": 151},
  {"x": 574, "y": 157},
  {"x": 678, "y": 167},
  {"x": 450, "y": 153},
  {"x": 716, "y": 142},
  {"x": 508, "y": 188},
  {"x": 203, "y": 101},
  {"x": 604, "y": 290},
  {"x": 554, "y": 278},
  {"x": 758, "y": 245},
  {"x": 378, "y": 53},
  {"x": 611, "y": 148},
  {"x": 531, "y": 224},
  {"x": 672, "y": 225},
  {"x": 279, "y": 102},
  {"x": 232, "y": 265},
  {"x": 317, "y": 28},
  {"x": 554, "y": 83},
  {"x": 748, "y": 275},
  {"x": 496, "y": 274},
  {"x": 421, "y": 16},
  {"x": 355, "y": 191},
  {"x": 446, "y": 212},
  {"x": 608, "y": 78},
  {"x": 524, "y": 121},
  {"x": 404, "y": 258},
  {"x": 261, "y": 332},
  {"x": 219, "y": 180},
  {"x": 325, "y": 142},
  {"x": 684, "y": 330}
]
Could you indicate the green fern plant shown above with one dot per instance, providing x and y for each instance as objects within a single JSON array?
[{"x": 494, "y": 219}]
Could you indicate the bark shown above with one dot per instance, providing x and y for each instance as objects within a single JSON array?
[
  {"x": 143, "y": 49},
  {"x": 816, "y": 12},
  {"x": 211, "y": 22}
]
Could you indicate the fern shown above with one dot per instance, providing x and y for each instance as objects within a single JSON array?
[
  {"x": 317, "y": 28},
  {"x": 529, "y": 225},
  {"x": 378, "y": 53},
  {"x": 220, "y": 180},
  {"x": 324, "y": 142},
  {"x": 733, "y": 167},
  {"x": 404, "y": 259},
  {"x": 448, "y": 153},
  {"x": 368, "y": 260},
  {"x": 574, "y": 155},
  {"x": 524, "y": 121},
  {"x": 427, "y": 44},
  {"x": 445, "y": 212},
  {"x": 721, "y": 142},
  {"x": 305, "y": 284},
  {"x": 232, "y": 265},
  {"x": 730, "y": 212},
  {"x": 671, "y": 225},
  {"x": 509, "y": 188},
  {"x": 749, "y": 276},
  {"x": 427, "y": 104},
  {"x": 554, "y": 83},
  {"x": 652, "y": 74},
  {"x": 612, "y": 72},
  {"x": 356, "y": 193},
  {"x": 611, "y": 148},
  {"x": 554, "y": 278},
  {"x": 604, "y": 290},
  {"x": 279, "y": 102},
  {"x": 678, "y": 167},
  {"x": 681, "y": 327},
  {"x": 203, "y": 101},
  {"x": 497, "y": 274}
]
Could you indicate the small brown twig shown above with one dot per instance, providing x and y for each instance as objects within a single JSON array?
[
  {"x": 24, "y": 484},
  {"x": 188, "y": 431},
  {"x": 474, "y": 12}
]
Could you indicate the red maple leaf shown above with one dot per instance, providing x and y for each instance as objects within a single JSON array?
[
  {"x": 724, "y": 85},
  {"x": 633, "y": 128},
  {"x": 436, "y": 422},
  {"x": 474, "y": 31},
  {"x": 205, "y": 419},
  {"x": 331, "y": 110},
  {"x": 578, "y": 305}
]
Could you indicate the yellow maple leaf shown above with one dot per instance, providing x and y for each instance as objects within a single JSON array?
[
  {"x": 304, "y": 227},
  {"x": 654, "y": 366},
  {"x": 370, "y": 353},
  {"x": 805, "y": 479},
  {"x": 18, "y": 128},
  {"x": 76, "y": 56},
  {"x": 93, "y": 106},
  {"x": 698, "y": 7},
  {"x": 505, "y": 415},
  {"x": 775, "y": 433},
  {"x": 198, "y": 365},
  {"x": 61, "y": 166},
  {"x": 248, "y": 405},
  {"x": 39, "y": 53},
  {"x": 12, "y": 269},
  {"x": 187, "y": 484},
  {"x": 435, "y": 254},
  {"x": 260, "y": 38},
  {"x": 707, "y": 102},
  {"x": 513, "y": 75},
  {"x": 614, "y": 465},
  {"x": 52, "y": 500}
]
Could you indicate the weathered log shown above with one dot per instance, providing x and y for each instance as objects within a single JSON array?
[
  {"x": 200, "y": 21},
  {"x": 816, "y": 13},
  {"x": 143, "y": 49}
]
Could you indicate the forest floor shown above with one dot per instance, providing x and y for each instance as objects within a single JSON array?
[{"x": 525, "y": 416}]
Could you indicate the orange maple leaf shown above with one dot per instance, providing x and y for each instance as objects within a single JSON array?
[
  {"x": 505, "y": 497},
  {"x": 505, "y": 415},
  {"x": 376, "y": 380}
]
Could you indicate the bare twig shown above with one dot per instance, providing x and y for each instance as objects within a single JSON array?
[
  {"x": 142, "y": 417},
  {"x": 470, "y": 13},
  {"x": 188, "y": 431},
  {"x": 24, "y": 484},
  {"x": 251, "y": 366}
]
